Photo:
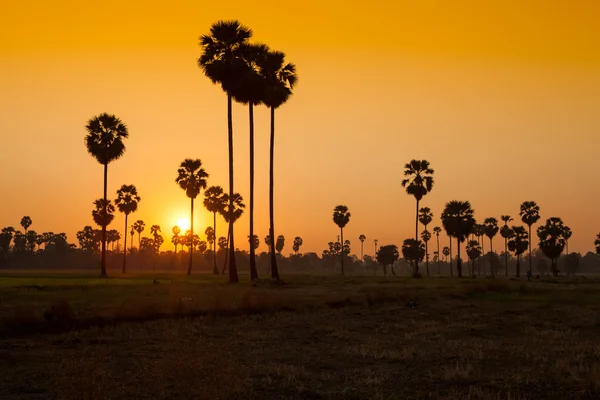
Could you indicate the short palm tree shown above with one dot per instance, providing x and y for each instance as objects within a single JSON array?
[
  {"x": 127, "y": 203},
  {"x": 191, "y": 177},
  {"x": 530, "y": 214},
  {"x": 567, "y": 233},
  {"x": 425, "y": 218},
  {"x": 506, "y": 233},
  {"x": 446, "y": 252},
  {"x": 458, "y": 221},
  {"x": 341, "y": 217},
  {"x": 139, "y": 226},
  {"x": 214, "y": 202},
  {"x": 362, "y": 239},
  {"x": 426, "y": 237},
  {"x": 418, "y": 184},
  {"x": 104, "y": 141},
  {"x": 436, "y": 231},
  {"x": 297, "y": 244},
  {"x": 26, "y": 223},
  {"x": 552, "y": 240},
  {"x": 518, "y": 244},
  {"x": 490, "y": 228},
  {"x": 474, "y": 251}
]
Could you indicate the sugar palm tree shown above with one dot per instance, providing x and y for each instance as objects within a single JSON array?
[
  {"x": 362, "y": 239},
  {"x": 26, "y": 223},
  {"x": 518, "y": 244},
  {"x": 597, "y": 244},
  {"x": 127, "y": 203},
  {"x": 474, "y": 251},
  {"x": 530, "y": 214},
  {"x": 139, "y": 226},
  {"x": 506, "y": 233},
  {"x": 436, "y": 231},
  {"x": 458, "y": 221},
  {"x": 426, "y": 236},
  {"x": 552, "y": 240},
  {"x": 413, "y": 251},
  {"x": 210, "y": 237},
  {"x": 104, "y": 141},
  {"x": 221, "y": 61},
  {"x": 280, "y": 80},
  {"x": 446, "y": 252},
  {"x": 155, "y": 230},
  {"x": 191, "y": 177},
  {"x": 567, "y": 233},
  {"x": 341, "y": 217},
  {"x": 418, "y": 184},
  {"x": 490, "y": 228},
  {"x": 297, "y": 244},
  {"x": 103, "y": 214},
  {"x": 214, "y": 202},
  {"x": 425, "y": 217},
  {"x": 231, "y": 215},
  {"x": 175, "y": 239}
]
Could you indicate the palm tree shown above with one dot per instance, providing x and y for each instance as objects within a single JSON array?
[
  {"x": 567, "y": 233},
  {"x": 191, "y": 177},
  {"x": 279, "y": 244},
  {"x": 518, "y": 244},
  {"x": 436, "y": 231},
  {"x": 104, "y": 141},
  {"x": 375, "y": 241},
  {"x": 139, "y": 226},
  {"x": 26, "y": 223},
  {"x": 426, "y": 237},
  {"x": 506, "y": 233},
  {"x": 413, "y": 251},
  {"x": 231, "y": 215},
  {"x": 155, "y": 230},
  {"x": 420, "y": 184},
  {"x": 387, "y": 255},
  {"x": 103, "y": 215},
  {"x": 210, "y": 237},
  {"x": 362, "y": 239},
  {"x": 474, "y": 251},
  {"x": 221, "y": 61},
  {"x": 530, "y": 214},
  {"x": 425, "y": 217},
  {"x": 255, "y": 242},
  {"x": 341, "y": 217},
  {"x": 597, "y": 244},
  {"x": 446, "y": 252},
  {"x": 131, "y": 233},
  {"x": 458, "y": 221},
  {"x": 175, "y": 239},
  {"x": 214, "y": 203},
  {"x": 552, "y": 240},
  {"x": 490, "y": 228},
  {"x": 280, "y": 78},
  {"x": 127, "y": 202},
  {"x": 297, "y": 244}
]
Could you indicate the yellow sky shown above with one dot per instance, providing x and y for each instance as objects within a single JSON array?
[{"x": 501, "y": 97}]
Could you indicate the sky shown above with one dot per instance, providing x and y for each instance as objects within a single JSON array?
[{"x": 502, "y": 97}]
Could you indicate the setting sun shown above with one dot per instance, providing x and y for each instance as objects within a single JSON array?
[{"x": 183, "y": 224}]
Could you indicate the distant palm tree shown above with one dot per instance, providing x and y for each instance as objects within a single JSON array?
[
  {"x": 131, "y": 233},
  {"x": 362, "y": 239},
  {"x": 297, "y": 244},
  {"x": 104, "y": 141},
  {"x": 552, "y": 240},
  {"x": 255, "y": 242},
  {"x": 446, "y": 252},
  {"x": 518, "y": 244},
  {"x": 280, "y": 243},
  {"x": 530, "y": 214},
  {"x": 127, "y": 202},
  {"x": 280, "y": 80},
  {"x": 567, "y": 233},
  {"x": 26, "y": 223},
  {"x": 506, "y": 233},
  {"x": 413, "y": 251},
  {"x": 155, "y": 230},
  {"x": 375, "y": 241},
  {"x": 387, "y": 255},
  {"x": 436, "y": 231},
  {"x": 341, "y": 217},
  {"x": 490, "y": 228},
  {"x": 214, "y": 203},
  {"x": 175, "y": 239},
  {"x": 458, "y": 221},
  {"x": 597, "y": 244},
  {"x": 425, "y": 217},
  {"x": 231, "y": 215},
  {"x": 191, "y": 177},
  {"x": 419, "y": 183},
  {"x": 426, "y": 237},
  {"x": 139, "y": 226},
  {"x": 103, "y": 214},
  {"x": 473, "y": 251},
  {"x": 210, "y": 237}
]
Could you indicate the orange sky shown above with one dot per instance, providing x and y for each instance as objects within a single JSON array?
[{"x": 502, "y": 97}]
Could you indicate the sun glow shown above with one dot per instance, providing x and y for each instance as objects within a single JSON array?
[{"x": 183, "y": 224}]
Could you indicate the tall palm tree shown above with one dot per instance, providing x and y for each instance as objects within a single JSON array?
[
  {"x": 506, "y": 233},
  {"x": 518, "y": 243},
  {"x": 436, "y": 231},
  {"x": 191, "y": 177},
  {"x": 419, "y": 183},
  {"x": 104, "y": 141},
  {"x": 490, "y": 228},
  {"x": 215, "y": 202},
  {"x": 127, "y": 202},
  {"x": 567, "y": 233},
  {"x": 280, "y": 80},
  {"x": 362, "y": 239},
  {"x": 26, "y": 223},
  {"x": 530, "y": 214},
  {"x": 458, "y": 221},
  {"x": 426, "y": 236},
  {"x": 341, "y": 217},
  {"x": 139, "y": 226},
  {"x": 231, "y": 215},
  {"x": 552, "y": 240},
  {"x": 425, "y": 217}
]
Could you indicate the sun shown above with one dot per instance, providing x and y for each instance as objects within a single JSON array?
[{"x": 183, "y": 224}]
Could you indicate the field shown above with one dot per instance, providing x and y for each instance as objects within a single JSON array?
[{"x": 72, "y": 336}]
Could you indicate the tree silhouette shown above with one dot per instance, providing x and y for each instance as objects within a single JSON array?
[
  {"x": 436, "y": 231},
  {"x": 490, "y": 228},
  {"x": 552, "y": 240},
  {"x": 362, "y": 239},
  {"x": 530, "y": 214},
  {"x": 139, "y": 226},
  {"x": 567, "y": 233},
  {"x": 104, "y": 141},
  {"x": 518, "y": 243},
  {"x": 426, "y": 236},
  {"x": 175, "y": 239},
  {"x": 341, "y": 217},
  {"x": 419, "y": 183},
  {"x": 255, "y": 242},
  {"x": 127, "y": 203},
  {"x": 375, "y": 241},
  {"x": 506, "y": 233},
  {"x": 479, "y": 232},
  {"x": 191, "y": 177},
  {"x": 221, "y": 61},
  {"x": 458, "y": 221},
  {"x": 446, "y": 252},
  {"x": 413, "y": 251},
  {"x": 231, "y": 215},
  {"x": 155, "y": 230},
  {"x": 26, "y": 223},
  {"x": 425, "y": 217},
  {"x": 103, "y": 215},
  {"x": 31, "y": 237},
  {"x": 214, "y": 203},
  {"x": 387, "y": 255},
  {"x": 597, "y": 244},
  {"x": 297, "y": 244},
  {"x": 473, "y": 250},
  {"x": 280, "y": 243},
  {"x": 222, "y": 242},
  {"x": 211, "y": 238}
]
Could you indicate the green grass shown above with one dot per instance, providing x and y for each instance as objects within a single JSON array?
[{"x": 314, "y": 337}]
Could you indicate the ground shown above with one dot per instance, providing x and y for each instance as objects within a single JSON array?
[{"x": 71, "y": 336}]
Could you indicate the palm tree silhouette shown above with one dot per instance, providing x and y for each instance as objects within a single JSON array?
[
  {"x": 567, "y": 233},
  {"x": 518, "y": 244},
  {"x": 231, "y": 215},
  {"x": 155, "y": 230},
  {"x": 446, "y": 252},
  {"x": 552, "y": 240},
  {"x": 474, "y": 251},
  {"x": 362, "y": 239},
  {"x": 210, "y": 237},
  {"x": 413, "y": 251},
  {"x": 597, "y": 244},
  {"x": 175, "y": 239},
  {"x": 506, "y": 233},
  {"x": 139, "y": 226},
  {"x": 255, "y": 243},
  {"x": 104, "y": 141},
  {"x": 191, "y": 177},
  {"x": 297, "y": 244},
  {"x": 420, "y": 184},
  {"x": 530, "y": 214},
  {"x": 214, "y": 202},
  {"x": 103, "y": 215},
  {"x": 425, "y": 217},
  {"x": 280, "y": 78},
  {"x": 490, "y": 228},
  {"x": 341, "y": 217},
  {"x": 280, "y": 244},
  {"x": 458, "y": 221},
  {"x": 426, "y": 237},
  {"x": 26, "y": 223},
  {"x": 131, "y": 233},
  {"x": 436, "y": 231},
  {"x": 127, "y": 202},
  {"x": 222, "y": 63}
]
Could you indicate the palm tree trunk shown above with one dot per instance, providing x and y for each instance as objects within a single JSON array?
[
  {"x": 342, "y": 236},
  {"x": 417, "y": 237},
  {"x": 506, "y": 256},
  {"x": 125, "y": 246},
  {"x": 103, "y": 260},
  {"x": 362, "y": 257},
  {"x": 427, "y": 256},
  {"x": 482, "y": 263},
  {"x": 215, "y": 268},
  {"x": 518, "y": 265},
  {"x": 253, "y": 271},
  {"x": 438, "y": 250},
  {"x": 458, "y": 260},
  {"x": 189, "y": 271},
  {"x": 491, "y": 251},
  {"x": 451, "y": 272},
  {"x": 530, "y": 240},
  {"x": 226, "y": 251},
  {"x": 233, "y": 275},
  {"x": 274, "y": 269}
]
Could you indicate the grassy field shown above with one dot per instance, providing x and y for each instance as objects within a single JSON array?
[{"x": 73, "y": 336}]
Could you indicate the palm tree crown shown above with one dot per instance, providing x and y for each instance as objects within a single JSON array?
[
  {"x": 280, "y": 78},
  {"x": 104, "y": 140},
  {"x": 425, "y": 216},
  {"x": 530, "y": 212},
  {"x": 458, "y": 220},
  {"x": 341, "y": 216},
  {"x": 103, "y": 213},
  {"x": 127, "y": 199},
  {"x": 191, "y": 177},
  {"x": 214, "y": 201},
  {"x": 422, "y": 179},
  {"x": 238, "y": 208}
]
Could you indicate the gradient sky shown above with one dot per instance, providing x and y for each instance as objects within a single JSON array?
[{"x": 502, "y": 97}]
